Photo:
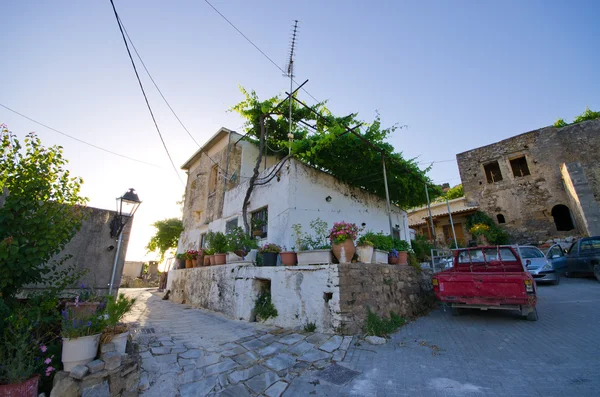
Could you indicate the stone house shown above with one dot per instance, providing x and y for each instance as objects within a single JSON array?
[
  {"x": 540, "y": 185},
  {"x": 218, "y": 175},
  {"x": 418, "y": 220}
]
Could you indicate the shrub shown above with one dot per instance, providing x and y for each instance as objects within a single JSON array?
[
  {"x": 380, "y": 241},
  {"x": 117, "y": 308},
  {"x": 560, "y": 123},
  {"x": 310, "y": 327},
  {"x": 317, "y": 240},
  {"x": 238, "y": 240},
  {"x": 480, "y": 224},
  {"x": 401, "y": 245},
  {"x": 586, "y": 115},
  {"x": 217, "y": 242},
  {"x": 381, "y": 326},
  {"x": 264, "y": 308},
  {"x": 421, "y": 247}
]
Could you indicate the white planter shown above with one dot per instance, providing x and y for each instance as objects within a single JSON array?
[
  {"x": 81, "y": 350},
  {"x": 251, "y": 257},
  {"x": 120, "y": 342},
  {"x": 365, "y": 253},
  {"x": 315, "y": 257},
  {"x": 380, "y": 256},
  {"x": 231, "y": 257}
]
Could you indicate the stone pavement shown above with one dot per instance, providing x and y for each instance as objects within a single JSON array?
[
  {"x": 192, "y": 352},
  {"x": 476, "y": 354}
]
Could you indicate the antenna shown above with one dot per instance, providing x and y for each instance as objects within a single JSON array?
[{"x": 290, "y": 74}]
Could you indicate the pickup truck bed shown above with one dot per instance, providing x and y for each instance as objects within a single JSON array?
[{"x": 487, "y": 278}]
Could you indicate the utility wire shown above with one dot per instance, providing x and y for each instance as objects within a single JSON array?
[
  {"x": 77, "y": 139},
  {"x": 255, "y": 46},
  {"x": 144, "y": 93}
]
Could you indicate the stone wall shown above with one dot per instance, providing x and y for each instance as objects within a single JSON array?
[
  {"x": 382, "y": 289},
  {"x": 527, "y": 201}
]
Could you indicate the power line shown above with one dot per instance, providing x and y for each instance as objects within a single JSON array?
[
  {"x": 435, "y": 162},
  {"x": 77, "y": 139},
  {"x": 144, "y": 92},
  {"x": 255, "y": 46}
]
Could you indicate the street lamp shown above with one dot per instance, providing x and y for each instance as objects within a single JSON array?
[{"x": 127, "y": 205}]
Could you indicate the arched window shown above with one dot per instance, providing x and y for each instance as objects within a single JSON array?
[
  {"x": 500, "y": 218},
  {"x": 562, "y": 218}
]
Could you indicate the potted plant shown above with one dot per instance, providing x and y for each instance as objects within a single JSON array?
[
  {"x": 86, "y": 302},
  {"x": 180, "y": 261},
  {"x": 81, "y": 337},
  {"x": 200, "y": 258},
  {"x": 382, "y": 245},
  {"x": 364, "y": 248},
  {"x": 239, "y": 244},
  {"x": 190, "y": 258},
  {"x": 115, "y": 331},
  {"x": 209, "y": 256},
  {"x": 313, "y": 248},
  {"x": 257, "y": 227},
  {"x": 218, "y": 243},
  {"x": 393, "y": 257},
  {"x": 288, "y": 258},
  {"x": 269, "y": 254},
  {"x": 342, "y": 236},
  {"x": 402, "y": 248}
]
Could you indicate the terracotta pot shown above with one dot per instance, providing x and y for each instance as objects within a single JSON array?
[
  {"x": 207, "y": 260},
  {"x": 403, "y": 258},
  {"x": 257, "y": 233},
  {"x": 82, "y": 309},
  {"x": 212, "y": 260},
  {"x": 179, "y": 264},
  {"x": 29, "y": 388},
  {"x": 189, "y": 264},
  {"x": 344, "y": 251},
  {"x": 80, "y": 350},
  {"x": 199, "y": 261},
  {"x": 220, "y": 259},
  {"x": 289, "y": 258},
  {"x": 393, "y": 260}
]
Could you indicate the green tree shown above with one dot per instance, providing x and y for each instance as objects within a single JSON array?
[
  {"x": 40, "y": 210},
  {"x": 329, "y": 147},
  {"x": 455, "y": 192},
  {"x": 166, "y": 237}
]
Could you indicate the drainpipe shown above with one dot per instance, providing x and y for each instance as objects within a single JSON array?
[{"x": 114, "y": 269}]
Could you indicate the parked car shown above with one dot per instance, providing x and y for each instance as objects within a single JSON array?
[
  {"x": 556, "y": 255},
  {"x": 583, "y": 257},
  {"x": 538, "y": 265},
  {"x": 487, "y": 278}
]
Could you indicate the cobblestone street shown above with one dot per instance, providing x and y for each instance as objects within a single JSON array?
[{"x": 192, "y": 352}]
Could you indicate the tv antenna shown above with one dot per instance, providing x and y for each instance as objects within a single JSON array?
[{"x": 290, "y": 74}]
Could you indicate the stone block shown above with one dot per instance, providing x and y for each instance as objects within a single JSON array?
[
  {"x": 208, "y": 359},
  {"x": 192, "y": 353},
  {"x": 262, "y": 382},
  {"x": 107, "y": 347},
  {"x": 79, "y": 371},
  {"x": 235, "y": 391},
  {"x": 375, "y": 340},
  {"x": 144, "y": 383},
  {"x": 273, "y": 348},
  {"x": 222, "y": 366},
  {"x": 132, "y": 381},
  {"x": 245, "y": 374},
  {"x": 200, "y": 388},
  {"x": 333, "y": 343},
  {"x": 59, "y": 375},
  {"x": 95, "y": 366},
  {"x": 99, "y": 390},
  {"x": 300, "y": 348},
  {"x": 314, "y": 355},
  {"x": 116, "y": 384},
  {"x": 112, "y": 360},
  {"x": 276, "y": 389},
  {"x": 291, "y": 339},
  {"x": 246, "y": 359},
  {"x": 160, "y": 350},
  {"x": 64, "y": 387},
  {"x": 280, "y": 362}
]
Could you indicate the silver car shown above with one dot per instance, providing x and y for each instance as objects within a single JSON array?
[{"x": 538, "y": 265}]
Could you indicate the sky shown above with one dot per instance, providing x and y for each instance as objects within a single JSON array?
[{"x": 459, "y": 74}]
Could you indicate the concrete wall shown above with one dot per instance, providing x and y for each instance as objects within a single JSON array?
[
  {"x": 527, "y": 201},
  {"x": 297, "y": 292},
  {"x": 382, "y": 289},
  {"x": 133, "y": 269},
  {"x": 583, "y": 204}
]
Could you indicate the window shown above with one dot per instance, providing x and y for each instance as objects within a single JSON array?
[
  {"x": 492, "y": 172},
  {"x": 203, "y": 240},
  {"x": 500, "y": 218},
  {"x": 212, "y": 182},
  {"x": 590, "y": 245},
  {"x": 519, "y": 166},
  {"x": 530, "y": 252},
  {"x": 259, "y": 222},
  {"x": 562, "y": 218},
  {"x": 555, "y": 252},
  {"x": 230, "y": 225}
]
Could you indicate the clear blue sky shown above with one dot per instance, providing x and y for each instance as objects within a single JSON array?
[{"x": 460, "y": 74}]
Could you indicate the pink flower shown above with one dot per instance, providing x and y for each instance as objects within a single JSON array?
[
  {"x": 49, "y": 370},
  {"x": 47, "y": 361},
  {"x": 43, "y": 348}
]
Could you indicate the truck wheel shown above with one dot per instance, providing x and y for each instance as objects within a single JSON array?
[
  {"x": 532, "y": 316},
  {"x": 597, "y": 272}
]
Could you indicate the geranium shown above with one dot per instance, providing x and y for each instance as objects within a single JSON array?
[
  {"x": 270, "y": 248},
  {"x": 191, "y": 254},
  {"x": 343, "y": 231}
]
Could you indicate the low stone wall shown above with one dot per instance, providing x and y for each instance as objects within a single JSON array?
[
  {"x": 382, "y": 289},
  {"x": 113, "y": 375},
  {"x": 334, "y": 297}
]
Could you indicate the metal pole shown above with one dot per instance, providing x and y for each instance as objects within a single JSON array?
[
  {"x": 114, "y": 269},
  {"x": 452, "y": 223},
  {"x": 291, "y": 102},
  {"x": 430, "y": 217},
  {"x": 387, "y": 195}
]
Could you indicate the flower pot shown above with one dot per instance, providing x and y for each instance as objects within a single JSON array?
[
  {"x": 233, "y": 257},
  {"x": 199, "y": 261},
  {"x": 82, "y": 309},
  {"x": 403, "y": 258},
  {"x": 344, "y": 251},
  {"x": 289, "y": 258},
  {"x": 365, "y": 253},
  {"x": 207, "y": 260},
  {"x": 211, "y": 259},
  {"x": 179, "y": 264},
  {"x": 251, "y": 256},
  {"x": 120, "y": 342},
  {"x": 270, "y": 258},
  {"x": 393, "y": 260},
  {"x": 80, "y": 350},
  {"x": 29, "y": 388},
  {"x": 379, "y": 256},
  {"x": 220, "y": 259},
  {"x": 315, "y": 257},
  {"x": 189, "y": 264},
  {"x": 257, "y": 233}
]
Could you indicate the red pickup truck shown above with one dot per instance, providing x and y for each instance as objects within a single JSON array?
[{"x": 487, "y": 278}]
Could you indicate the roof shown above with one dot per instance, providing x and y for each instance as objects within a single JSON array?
[
  {"x": 209, "y": 144},
  {"x": 439, "y": 210}
]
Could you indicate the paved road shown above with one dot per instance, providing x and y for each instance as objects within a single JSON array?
[{"x": 475, "y": 354}]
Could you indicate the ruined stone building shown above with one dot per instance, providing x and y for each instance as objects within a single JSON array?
[
  {"x": 218, "y": 179},
  {"x": 539, "y": 185}
]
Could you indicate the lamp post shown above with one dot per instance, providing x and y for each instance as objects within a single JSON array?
[{"x": 127, "y": 205}]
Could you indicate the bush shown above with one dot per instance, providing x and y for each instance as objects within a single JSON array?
[
  {"x": 380, "y": 241},
  {"x": 264, "y": 308},
  {"x": 216, "y": 242},
  {"x": 480, "y": 224},
  {"x": 166, "y": 237},
  {"x": 421, "y": 247},
  {"x": 381, "y": 326},
  {"x": 238, "y": 240}
]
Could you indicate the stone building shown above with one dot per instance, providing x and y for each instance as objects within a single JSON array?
[
  {"x": 218, "y": 175},
  {"x": 418, "y": 220},
  {"x": 540, "y": 185}
]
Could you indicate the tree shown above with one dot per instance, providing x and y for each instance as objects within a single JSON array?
[
  {"x": 455, "y": 192},
  {"x": 166, "y": 237},
  {"x": 40, "y": 210},
  {"x": 328, "y": 146}
]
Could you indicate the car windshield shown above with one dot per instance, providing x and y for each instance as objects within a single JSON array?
[{"x": 530, "y": 252}]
